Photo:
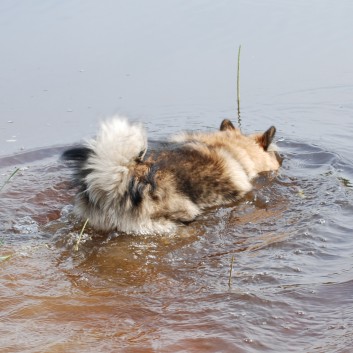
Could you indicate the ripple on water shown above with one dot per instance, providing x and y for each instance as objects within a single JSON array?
[{"x": 290, "y": 285}]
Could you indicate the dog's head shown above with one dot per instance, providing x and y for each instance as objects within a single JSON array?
[{"x": 263, "y": 140}]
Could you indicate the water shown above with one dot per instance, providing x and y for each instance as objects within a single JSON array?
[{"x": 172, "y": 65}]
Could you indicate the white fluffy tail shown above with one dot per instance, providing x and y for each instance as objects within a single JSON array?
[
  {"x": 119, "y": 142},
  {"x": 117, "y": 147}
]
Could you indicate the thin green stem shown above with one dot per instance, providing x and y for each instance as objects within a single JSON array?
[
  {"x": 230, "y": 272},
  {"x": 238, "y": 86},
  {"x": 9, "y": 178},
  {"x": 80, "y": 236}
]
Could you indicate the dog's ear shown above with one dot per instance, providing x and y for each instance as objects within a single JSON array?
[
  {"x": 266, "y": 138},
  {"x": 226, "y": 125}
]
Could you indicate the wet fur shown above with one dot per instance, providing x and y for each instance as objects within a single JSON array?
[{"x": 122, "y": 188}]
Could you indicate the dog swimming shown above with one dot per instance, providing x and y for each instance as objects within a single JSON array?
[{"x": 124, "y": 187}]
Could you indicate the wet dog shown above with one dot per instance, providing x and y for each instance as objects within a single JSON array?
[{"x": 122, "y": 187}]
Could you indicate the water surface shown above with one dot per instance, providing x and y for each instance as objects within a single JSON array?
[{"x": 172, "y": 65}]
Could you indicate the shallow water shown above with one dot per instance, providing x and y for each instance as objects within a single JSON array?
[
  {"x": 173, "y": 67},
  {"x": 291, "y": 285}
]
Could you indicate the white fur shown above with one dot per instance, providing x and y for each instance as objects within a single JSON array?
[
  {"x": 113, "y": 160},
  {"x": 236, "y": 172},
  {"x": 116, "y": 146}
]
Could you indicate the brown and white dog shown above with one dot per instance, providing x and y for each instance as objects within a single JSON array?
[{"x": 122, "y": 188}]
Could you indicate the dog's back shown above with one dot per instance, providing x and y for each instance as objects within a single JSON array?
[{"x": 120, "y": 189}]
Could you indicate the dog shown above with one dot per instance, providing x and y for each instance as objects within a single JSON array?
[{"x": 122, "y": 187}]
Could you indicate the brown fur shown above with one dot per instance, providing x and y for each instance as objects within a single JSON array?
[{"x": 152, "y": 194}]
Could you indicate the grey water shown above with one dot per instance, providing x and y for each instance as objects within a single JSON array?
[{"x": 66, "y": 65}]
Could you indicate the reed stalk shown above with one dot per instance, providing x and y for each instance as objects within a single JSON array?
[
  {"x": 9, "y": 178},
  {"x": 230, "y": 272},
  {"x": 80, "y": 236},
  {"x": 238, "y": 86}
]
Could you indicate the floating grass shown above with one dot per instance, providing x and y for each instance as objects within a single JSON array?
[
  {"x": 238, "y": 86},
  {"x": 4, "y": 257},
  {"x": 9, "y": 178},
  {"x": 230, "y": 272},
  {"x": 80, "y": 236},
  {"x": 345, "y": 182}
]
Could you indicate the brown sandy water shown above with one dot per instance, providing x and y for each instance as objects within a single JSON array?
[
  {"x": 291, "y": 286},
  {"x": 172, "y": 65}
]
